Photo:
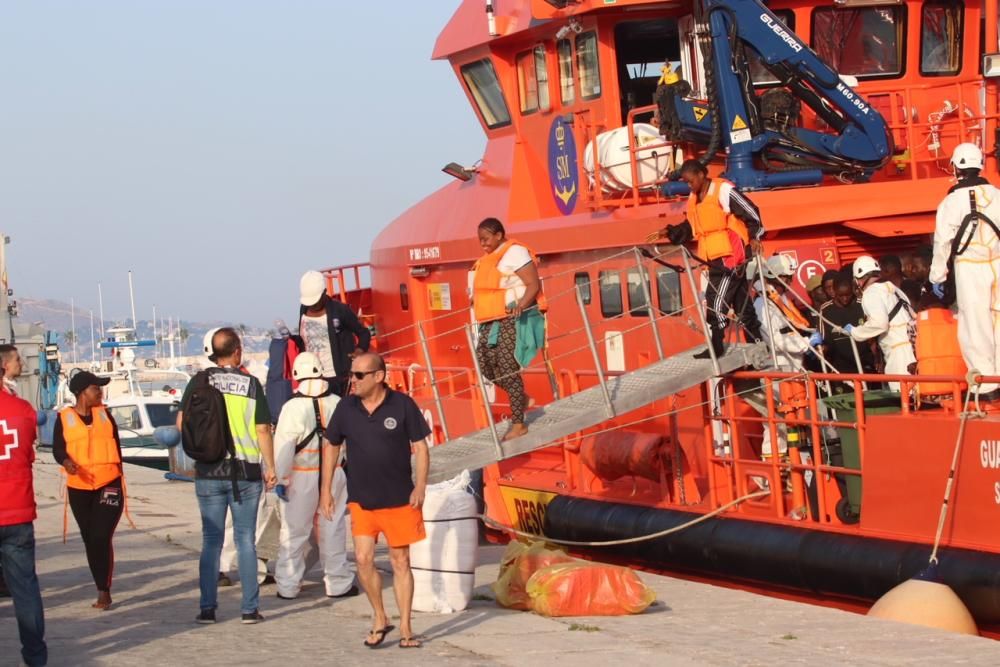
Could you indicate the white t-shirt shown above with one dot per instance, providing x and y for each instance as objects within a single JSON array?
[
  {"x": 516, "y": 257},
  {"x": 316, "y": 335}
]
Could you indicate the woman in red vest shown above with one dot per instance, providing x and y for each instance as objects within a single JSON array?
[
  {"x": 504, "y": 283},
  {"x": 85, "y": 442}
]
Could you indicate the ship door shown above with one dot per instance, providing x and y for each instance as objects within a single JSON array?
[{"x": 642, "y": 49}]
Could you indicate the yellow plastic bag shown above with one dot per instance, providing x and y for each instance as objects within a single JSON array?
[
  {"x": 581, "y": 588},
  {"x": 519, "y": 562}
]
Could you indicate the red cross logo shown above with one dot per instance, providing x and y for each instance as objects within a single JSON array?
[{"x": 8, "y": 440}]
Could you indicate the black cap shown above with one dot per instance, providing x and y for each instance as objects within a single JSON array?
[{"x": 85, "y": 379}]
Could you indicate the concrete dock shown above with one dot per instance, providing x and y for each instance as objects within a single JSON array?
[{"x": 156, "y": 599}]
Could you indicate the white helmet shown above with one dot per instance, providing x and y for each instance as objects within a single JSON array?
[
  {"x": 864, "y": 265},
  {"x": 778, "y": 265},
  {"x": 306, "y": 367},
  {"x": 312, "y": 286},
  {"x": 967, "y": 156},
  {"x": 206, "y": 343}
]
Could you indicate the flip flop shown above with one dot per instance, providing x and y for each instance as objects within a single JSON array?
[
  {"x": 380, "y": 634},
  {"x": 410, "y": 642}
]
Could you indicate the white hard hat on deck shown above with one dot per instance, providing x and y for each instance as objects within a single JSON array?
[
  {"x": 967, "y": 156},
  {"x": 312, "y": 286},
  {"x": 306, "y": 367},
  {"x": 864, "y": 265}
]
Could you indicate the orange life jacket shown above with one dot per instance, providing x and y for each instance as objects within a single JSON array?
[
  {"x": 711, "y": 225},
  {"x": 937, "y": 350},
  {"x": 489, "y": 300},
  {"x": 791, "y": 313},
  {"x": 92, "y": 448}
]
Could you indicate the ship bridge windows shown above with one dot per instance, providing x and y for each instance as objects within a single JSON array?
[
  {"x": 668, "y": 287},
  {"x": 582, "y": 282},
  {"x": 637, "y": 306},
  {"x": 941, "y": 37},
  {"x": 567, "y": 85},
  {"x": 533, "y": 81},
  {"x": 866, "y": 42},
  {"x": 610, "y": 286},
  {"x": 587, "y": 65},
  {"x": 643, "y": 49},
  {"x": 481, "y": 79}
]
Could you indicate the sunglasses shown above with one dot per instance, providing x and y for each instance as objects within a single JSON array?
[{"x": 360, "y": 375}]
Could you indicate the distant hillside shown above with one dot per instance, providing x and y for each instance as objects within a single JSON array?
[{"x": 56, "y": 316}]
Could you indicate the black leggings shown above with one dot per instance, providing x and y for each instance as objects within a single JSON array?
[{"x": 97, "y": 514}]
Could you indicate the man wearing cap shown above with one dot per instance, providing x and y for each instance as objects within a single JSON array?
[
  {"x": 85, "y": 443},
  {"x": 17, "y": 530},
  {"x": 817, "y": 297},
  {"x": 330, "y": 330},
  {"x": 298, "y": 441}
]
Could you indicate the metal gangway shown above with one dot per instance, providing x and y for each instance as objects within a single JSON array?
[{"x": 587, "y": 408}]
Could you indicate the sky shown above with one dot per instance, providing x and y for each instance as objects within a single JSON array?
[{"x": 217, "y": 148}]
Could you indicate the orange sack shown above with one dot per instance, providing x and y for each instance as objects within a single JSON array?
[
  {"x": 520, "y": 561},
  {"x": 588, "y": 589}
]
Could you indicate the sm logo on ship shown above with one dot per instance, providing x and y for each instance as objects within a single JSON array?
[{"x": 564, "y": 177}]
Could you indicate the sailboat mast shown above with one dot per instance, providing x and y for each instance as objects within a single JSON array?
[{"x": 131, "y": 298}]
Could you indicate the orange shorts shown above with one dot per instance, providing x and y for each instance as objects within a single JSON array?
[{"x": 402, "y": 526}]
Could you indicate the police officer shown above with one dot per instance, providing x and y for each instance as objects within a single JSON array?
[{"x": 967, "y": 251}]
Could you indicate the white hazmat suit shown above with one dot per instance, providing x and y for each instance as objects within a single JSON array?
[
  {"x": 895, "y": 335},
  {"x": 301, "y": 474},
  {"x": 977, "y": 275}
]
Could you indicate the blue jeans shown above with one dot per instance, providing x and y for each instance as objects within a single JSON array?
[
  {"x": 214, "y": 497},
  {"x": 17, "y": 553}
]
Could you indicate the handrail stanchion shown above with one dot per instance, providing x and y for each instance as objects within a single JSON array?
[
  {"x": 766, "y": 298},
  {"x": 482, "y": 391},
  {"x": 593, "y": 351},
  {"x": 433, "y": 378},
  {"x": 649, "y": 301},
  {"x": 696, "y": 295}
]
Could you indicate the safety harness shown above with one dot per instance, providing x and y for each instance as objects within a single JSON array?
[
  {"x": 961, "y": 242},
  {"x": 317, "y": 430}
]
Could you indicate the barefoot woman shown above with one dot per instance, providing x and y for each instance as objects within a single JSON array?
[
  {"x": 504, "y": 284},
  {"x": 85, "y": 442}
]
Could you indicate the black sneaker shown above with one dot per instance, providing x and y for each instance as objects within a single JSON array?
[
  {"x": 349, "y": 593},
  {"x": 224, "y": 579},
  {"x": 252, "y": 617},
  {"x": 206, "y": 617}
]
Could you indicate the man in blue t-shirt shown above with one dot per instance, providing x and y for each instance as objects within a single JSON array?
[{"x": 380, "y": 426}]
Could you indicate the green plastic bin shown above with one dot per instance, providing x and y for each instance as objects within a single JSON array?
[{"x": 877, "y": 402}]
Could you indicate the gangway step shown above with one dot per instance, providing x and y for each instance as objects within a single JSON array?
[{"x": 586, "y": 408}]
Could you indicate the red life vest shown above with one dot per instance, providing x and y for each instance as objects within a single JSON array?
[{"x": 17, "y": 453}]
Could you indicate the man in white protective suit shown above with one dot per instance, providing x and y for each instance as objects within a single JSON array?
[
  {"x": 298, "y": 442},
  {"x": 889, "y": 317},
  {"x": 967, "y": 253},
  {"x": 791, "y": 343}
]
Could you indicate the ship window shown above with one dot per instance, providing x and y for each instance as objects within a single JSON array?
[
  {"x": 404, "y": 296},
  {"x": 758, "y": 71},
  {"x": 941, "y": 37},
  {"x": 611, "y": 293},
  {"x": 533, "y": 81},
  {"x": 582, "y": 281},
  {"x": 161, "y": 414},
  {"x": 481, "y": 79},
  {"x": 567, "y": 89},
  {"x": 642, "y": 50},
  {"x": 668, "y": 287},
  {"x": 587, "y": 65},
  {"x": 866, "y": 42},
  {"x": 127, "y": 417},
  {"x": 637, "y": 306}
]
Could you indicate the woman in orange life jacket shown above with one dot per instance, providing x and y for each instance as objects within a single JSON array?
[
  {"x": 504, "y": 284},
  {"x": 85, "y": 443},
  {"x": 728, "y": 230}
]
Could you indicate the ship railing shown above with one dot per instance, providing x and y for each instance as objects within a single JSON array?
[
  {"x": 967, "y": 119},
  {"x": 343, "y": 280},
  {"x": 469, "y": 382},
  {"x": 645, "y": 192},
  {"x": 735, "y": 468}
]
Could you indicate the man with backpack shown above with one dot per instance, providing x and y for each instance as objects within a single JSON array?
[
  {"x": 298, "y": 443},
  {"x": 225, "y": 426}
]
